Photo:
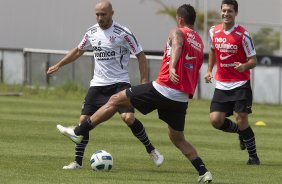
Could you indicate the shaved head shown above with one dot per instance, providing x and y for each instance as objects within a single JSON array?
[
  {"x": 104, "y": 14},
  {"x": 104, "y": 4}
]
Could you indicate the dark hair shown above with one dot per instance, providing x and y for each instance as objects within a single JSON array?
[
  {"x": 230, "y": 2},
  {"x": 188, "y": 13}
]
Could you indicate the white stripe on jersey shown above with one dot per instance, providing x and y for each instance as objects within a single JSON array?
[{"x": 111, "y": 50}]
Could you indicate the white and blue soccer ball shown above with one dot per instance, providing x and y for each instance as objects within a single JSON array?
[{"x": 101, "y": 161}]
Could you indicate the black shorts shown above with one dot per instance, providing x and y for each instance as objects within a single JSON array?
[
  {"x": 97, "y": 96},
  {"x": 236, "y": 100},
  {"x": 145, "y": 98}
]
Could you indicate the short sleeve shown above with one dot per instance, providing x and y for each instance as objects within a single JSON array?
[
  {"x": 85, "y": 43},
  {"x": 248, "y": 45},
  {"x": 132, "y": 43},
  {"x": 210, "y": 37}
]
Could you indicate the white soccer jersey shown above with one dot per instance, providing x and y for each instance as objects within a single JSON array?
[{"x": 111, "y": 49}]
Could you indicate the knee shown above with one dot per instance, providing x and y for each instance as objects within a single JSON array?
[
  {"x": 242, "y": 121},
  {"x": 216, "y": 121},
  {"x": 118, "y": 100},
  {"x": 128, "y": 118}
]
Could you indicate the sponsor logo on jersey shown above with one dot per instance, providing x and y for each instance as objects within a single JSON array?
[
  {"x": 130, "y": 43},
  {"x": 224, "y": 57},
  {"x": 97, "y": 48},
  {"x": 112, "y": 39},
  {"x": 189, "y": 66},
  {"x": 187, "y": 57},
  {"x": 220, "y": 43},
  {"x": 191, "y": 40},
  {"x": 84, "y": 41},
  {"x": 100, "y": 54},
  {"x": 104, "y": 54},
  {"x": 227, "y": 65}
]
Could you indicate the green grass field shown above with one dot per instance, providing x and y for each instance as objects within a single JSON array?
[{"x": 32, "y": 151}]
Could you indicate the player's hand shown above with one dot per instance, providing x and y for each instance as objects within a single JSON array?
[
  {"x": 208, "y": 77},
  {"x": 52, "y": 69},
  {"x": 239, "y": 67},
  {"x": 173, "y": 76}
]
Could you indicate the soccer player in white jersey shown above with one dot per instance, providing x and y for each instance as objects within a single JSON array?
[
  {"x": 169, "y": 93},
  {"x": 112, "y": 44},
  {"x": 233, "y": 51}
]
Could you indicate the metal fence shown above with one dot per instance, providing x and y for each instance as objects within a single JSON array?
[{"x": 29, "y": 66}]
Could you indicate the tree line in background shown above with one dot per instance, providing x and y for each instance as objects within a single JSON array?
[{"x": 267, "y": 41}]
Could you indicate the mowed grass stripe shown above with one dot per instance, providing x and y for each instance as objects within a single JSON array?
[{"x": 32, "y": 151}]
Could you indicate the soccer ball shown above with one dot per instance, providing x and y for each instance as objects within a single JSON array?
[{"x": 101, "y": 161}]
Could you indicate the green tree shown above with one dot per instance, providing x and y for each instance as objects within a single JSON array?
[
  {"x": 266, "y": 41},
  {"x": 171, "y": 12}
]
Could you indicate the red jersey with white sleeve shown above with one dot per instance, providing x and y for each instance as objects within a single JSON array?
[
  {"x": 111, "y": 50},
  {"x": 188, "y": 65},
  {"x": 231, "y": 46}
]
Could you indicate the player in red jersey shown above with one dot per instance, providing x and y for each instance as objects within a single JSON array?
[
  {"x": 169, "y": 94},
  {"x": 233, "y": 51}
]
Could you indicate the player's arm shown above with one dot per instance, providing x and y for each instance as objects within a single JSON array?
[
  {"x": 250, "y": 64},
  {"x": 176, "y": 41},
  {"x": 143, "y": 67},
  {"x": 211, "y": 63},
  {"x": 211, "y": 59},
  {"x": 250, "y": 53},
  {"x": 71, "y": 56}
]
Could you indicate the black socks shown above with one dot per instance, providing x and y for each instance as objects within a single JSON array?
[
  {"x": 229, "y": 126},
  {"x": 199, "y": 165},
  {"x": 84, "y": 127},
  {"x": 250, "y": 141},
  {"x": 139, "y": 131},
  {"x": 80, "y": 148}
]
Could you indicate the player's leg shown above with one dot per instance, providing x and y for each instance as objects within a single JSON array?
[
  {"x": 92, "y": 102},
  {"x": 248, "y": 137},
  {"x": 103, "y": 113},
  {"x": 139, "y": 132},
  {"x": 174, "y": 115},
  {"x": 218, "y": 117},
  {"x": 79, "y": 149},
  {"x": 242, "y": 109},
  {"x": 218, "y": 113},
  {"x": 188, "y": 150}
]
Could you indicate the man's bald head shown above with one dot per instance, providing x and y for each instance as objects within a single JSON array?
[
  {"x": 104, "y": 14},
  {"x": 104, "y": 4}
]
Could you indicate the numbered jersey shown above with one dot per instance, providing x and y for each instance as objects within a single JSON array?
[{"x": 111, "y": 49}]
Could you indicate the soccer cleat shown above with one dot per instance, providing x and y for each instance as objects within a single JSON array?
[
  {"x": 206, "y": 178},
  {"x": 72, "y": 166},
  {"x": 253, "y": 161},
  {"x": 69, "y": 132},
  {"x": 157, "y": 157},
  {"x": 242, "y": 144}
]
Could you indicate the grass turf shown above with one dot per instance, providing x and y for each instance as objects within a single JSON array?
[{"x": 32, "y": 151}]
